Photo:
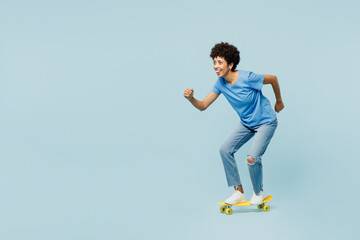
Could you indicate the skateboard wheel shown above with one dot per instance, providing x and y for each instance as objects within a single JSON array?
[
  {"x": 222, "y": 209},
  {"x": 261, "y": 206},
  {"x": 266, "y": 208},
  {"x": 228, "y": 211}
]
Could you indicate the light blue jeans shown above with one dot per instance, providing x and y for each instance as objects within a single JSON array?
[{"x": 262, "y": 135}]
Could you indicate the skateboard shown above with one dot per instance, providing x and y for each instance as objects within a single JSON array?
[{"x": 226, "y": 208}]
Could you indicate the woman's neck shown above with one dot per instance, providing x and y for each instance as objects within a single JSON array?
[{"x": 231, "y": 77}]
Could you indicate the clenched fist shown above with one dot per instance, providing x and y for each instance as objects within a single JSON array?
[
  {"x": 188, "y": 94},
  {"x": 279, "y": 105}
]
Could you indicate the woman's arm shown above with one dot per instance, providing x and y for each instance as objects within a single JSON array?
[
  {"x": 201, "y": 105},
  {"x": 271, "y": 79}
]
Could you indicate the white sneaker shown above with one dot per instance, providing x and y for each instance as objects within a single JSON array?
[
  {"x": 257, "y": 199},
  {"x": 237, "y": 197}
]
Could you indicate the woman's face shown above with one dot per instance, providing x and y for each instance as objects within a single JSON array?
[{"x": 221, "y": 67}]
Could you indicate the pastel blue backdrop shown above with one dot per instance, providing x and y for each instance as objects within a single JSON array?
[{"x": 98, "y": 142}]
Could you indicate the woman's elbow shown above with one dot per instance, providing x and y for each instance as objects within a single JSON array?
[{"x": 203, "y": 107}]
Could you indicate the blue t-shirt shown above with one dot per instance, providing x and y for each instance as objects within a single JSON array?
[{"x": 246, "y": 98}]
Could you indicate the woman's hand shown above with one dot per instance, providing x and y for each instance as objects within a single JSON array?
[
  {"x": 188, "y": 94},
  {"x": 279, "y": 105}
]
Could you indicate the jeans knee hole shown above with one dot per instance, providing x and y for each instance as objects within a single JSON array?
[{"x": 250, "y": 160}]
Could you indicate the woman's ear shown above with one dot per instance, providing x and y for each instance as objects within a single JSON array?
[{"x": 231, "y": 65}]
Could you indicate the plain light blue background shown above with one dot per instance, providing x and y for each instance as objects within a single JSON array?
[{"x": 98, "y": 142}]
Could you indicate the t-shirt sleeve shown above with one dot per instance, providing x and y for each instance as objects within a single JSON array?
[
  {"x": 256, "y": 81},
  {"x": 216, "y": 88}
]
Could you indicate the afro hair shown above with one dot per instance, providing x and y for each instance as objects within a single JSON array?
[{"x": 226, "y": 51}]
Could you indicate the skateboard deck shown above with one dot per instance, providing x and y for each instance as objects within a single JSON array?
[{"x": 226, "y": 208}]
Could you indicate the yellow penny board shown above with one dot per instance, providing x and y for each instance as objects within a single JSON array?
[{"x": 267, "y": 199}]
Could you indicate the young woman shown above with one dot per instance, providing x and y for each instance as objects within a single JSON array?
[{"x": 242, "y": 89}]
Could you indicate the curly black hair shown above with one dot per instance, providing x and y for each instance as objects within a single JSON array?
[{"x": 226, "y": 51}]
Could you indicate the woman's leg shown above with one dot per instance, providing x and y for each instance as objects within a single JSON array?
[
  {"x": 263, "y": 135},
  {"x": 235, "y": 140}
]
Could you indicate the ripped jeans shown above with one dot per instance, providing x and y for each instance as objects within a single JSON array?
[{"x": 262, "y": 135}]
